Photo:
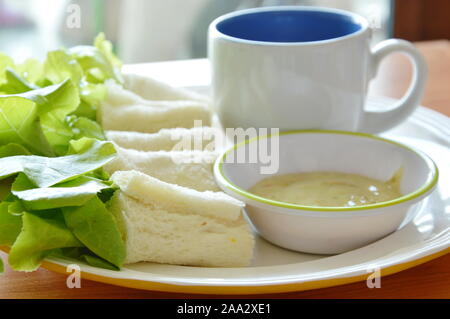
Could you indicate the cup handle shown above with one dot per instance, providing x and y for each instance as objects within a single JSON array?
[{"x": 376, "y": 122}]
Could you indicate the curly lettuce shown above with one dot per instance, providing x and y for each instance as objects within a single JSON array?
[{"x": 53, "y": 190}]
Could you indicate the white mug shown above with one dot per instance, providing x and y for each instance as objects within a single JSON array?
[{"x": 297, "y": 68}]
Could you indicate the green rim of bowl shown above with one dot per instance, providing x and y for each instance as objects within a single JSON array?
[{"x": 421, "y": 191}]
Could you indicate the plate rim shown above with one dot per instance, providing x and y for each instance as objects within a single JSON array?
[{"x": 243, "y": 289}]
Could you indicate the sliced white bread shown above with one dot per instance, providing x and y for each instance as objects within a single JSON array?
[
  {"x": 175, "y": 139},
  {"x": 177, "y": 199},
  {"x": 151, "y": 89},
  {"x": 179, "y": 225},
  {"x": 124, "y": 110},
  {"x": 192, "y": 169}
]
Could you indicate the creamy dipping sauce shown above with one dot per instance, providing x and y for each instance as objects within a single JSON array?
[{"x": 328, "y": 189}]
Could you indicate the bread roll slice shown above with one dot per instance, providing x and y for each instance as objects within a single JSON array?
[
  {"x": 125, "y": 111},
  {"x": 175, "y": 139},
  {"x": 180, "y": 226},
  {"x": 192, "y": 169}
]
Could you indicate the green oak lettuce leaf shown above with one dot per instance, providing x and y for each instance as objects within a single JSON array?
[
  {"x": 40, "y": 235},
  {"x": 106, "y": 48},
  {"x": 98, "y": 62},
  {"x": 19, "y": 124},
  {"x": 72, "y": 193},
  {"x": 5, "y": 188},
  {"x": 98, "y": 262},
  {"x": 85, "y": 255},
  {"x": 82, "y": 145},
  {"x": 13, "y": 149},
  {"x": 84, "y": 127},
  {"x": 91, "y": 96},
  {"x": 36, "y": 119},
  {"x": 59, "y": 99},
  {"x": 10, "y": 224},
  {"x": 86, "y": 110},
  {"x": 48, "y": 171},
  {"x": 54, "y": 104},
  {"x": 60, "y": 66},
  {"x": 96, "y": 227},
  {"x": 88, "y": 67},
  {"x": 5, "y": 62},
  {"x": 32, "y": 71},
  {"x": 15, "y": 83},
  {"x": 16, "y": 208}
]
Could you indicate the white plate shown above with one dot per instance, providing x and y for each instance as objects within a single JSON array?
[{"x": 274, "y": 269}]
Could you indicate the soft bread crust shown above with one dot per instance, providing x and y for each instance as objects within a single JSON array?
[
  {"x": 157, "y": 231},
  {"x": 125, "y": 111},
  {"x": 192, "y": 169},
  {"x": 174, "y": 139}
]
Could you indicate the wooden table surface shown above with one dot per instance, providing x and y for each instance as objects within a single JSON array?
[{"x": 429, "y": 280}]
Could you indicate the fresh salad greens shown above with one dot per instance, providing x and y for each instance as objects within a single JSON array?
[{"x": 53, "y": 190}]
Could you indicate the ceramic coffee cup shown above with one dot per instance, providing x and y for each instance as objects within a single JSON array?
[{"x": 303, "y": 68}]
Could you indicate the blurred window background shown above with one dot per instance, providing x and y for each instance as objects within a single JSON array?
[{"x": 143, "y": 30}]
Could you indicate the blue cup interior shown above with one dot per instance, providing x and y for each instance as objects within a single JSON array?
[{"x": 289, "y": 26}]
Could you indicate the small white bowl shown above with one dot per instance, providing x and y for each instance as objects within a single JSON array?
[{"x": 329, "y": 230}]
